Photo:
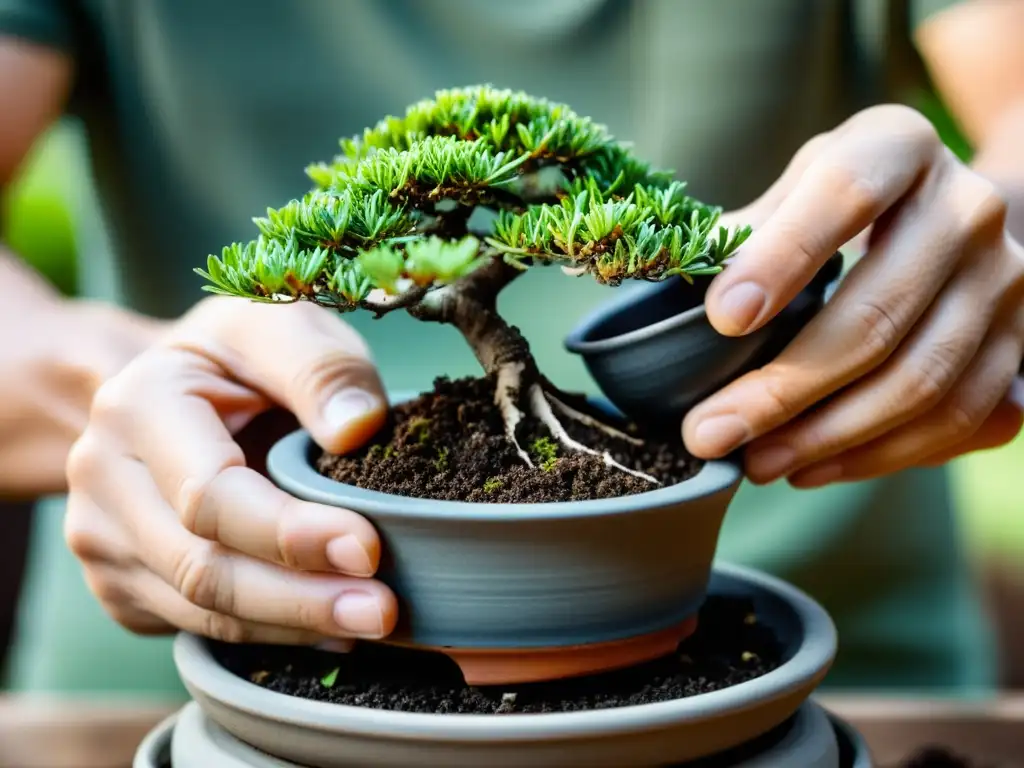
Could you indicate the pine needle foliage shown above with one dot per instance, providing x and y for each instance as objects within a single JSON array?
[{"x": 388, "y": 215}]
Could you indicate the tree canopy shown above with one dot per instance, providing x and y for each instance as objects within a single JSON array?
[{"x": 392, "y": 212}]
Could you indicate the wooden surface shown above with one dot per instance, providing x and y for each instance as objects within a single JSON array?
[{"x": 37, "y": 733}]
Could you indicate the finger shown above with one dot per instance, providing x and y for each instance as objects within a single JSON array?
[
  {"x": 202, "y": 475},
  {"x": 1001, "y": 427},
  {"x": 246, "y": 512},
  {"x": 223, "y": 581},
  {"x": 954, "y": 421},
  {"x": 912, "y": 381},
  {"x": 875, "y": 307},
  {"x": 163, "y": 601},
  {"x": 326, "y": 378},
  {"x": 759, "y": 211},
  {"x": 881, "y": 155}
]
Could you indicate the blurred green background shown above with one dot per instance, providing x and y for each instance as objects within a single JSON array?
[{"x": 38, "y": 222}]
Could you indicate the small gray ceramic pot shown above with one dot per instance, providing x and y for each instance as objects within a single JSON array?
[
  {"x": 325, "y": 735},
  {"x": 520, "y": 592},
  {"x": 654, "y": 354}
]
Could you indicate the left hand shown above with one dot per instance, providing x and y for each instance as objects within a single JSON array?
[{"x": 913, "y": 361}]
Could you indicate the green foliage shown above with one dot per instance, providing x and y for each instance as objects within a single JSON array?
[
  {"x": 492, "y": 485},
  {"x": 650, "y": 234},
  {"x": 545, "y": 451},
  {"x": 388, "y": 215}
]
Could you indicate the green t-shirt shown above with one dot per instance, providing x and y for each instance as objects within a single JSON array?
[{"x": 200, "y": 114}]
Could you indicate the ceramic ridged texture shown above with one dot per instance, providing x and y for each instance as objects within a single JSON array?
[
  {"x": 654, "y": 353},
  {"x": 809, "y": 740},
  {"x": 515, "y": 576},
  {"x": 324, "y": 735}
]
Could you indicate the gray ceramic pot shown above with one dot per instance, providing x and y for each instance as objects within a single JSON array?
[
  {"x": 591, "y": 585},
  {"x": 654, "y": 354},
  {"x": 324, "y": 735}
]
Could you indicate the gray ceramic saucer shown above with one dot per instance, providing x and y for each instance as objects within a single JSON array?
[
  {"x": 192, "y": 724},
  {"x": 324, "y": 735}
]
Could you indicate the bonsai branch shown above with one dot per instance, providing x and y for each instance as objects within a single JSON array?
[{"x": 384, "y": 304}]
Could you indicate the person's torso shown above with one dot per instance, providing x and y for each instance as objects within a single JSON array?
[{"x": 212, "y": 110}]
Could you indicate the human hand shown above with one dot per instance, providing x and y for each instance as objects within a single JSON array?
[
  {"x": 54, "y": 355},
  {"x": 913, "y": 360},
  {"x": 174, "y": 530}
]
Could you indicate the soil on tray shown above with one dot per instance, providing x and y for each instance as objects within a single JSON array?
[
  {"x": 729, "y": 647},
  {"x": 450, "y": 444}
]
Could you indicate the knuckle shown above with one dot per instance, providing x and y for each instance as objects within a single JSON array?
[
  {"x": 309, "y": 616},
  {"x": 110, "y": 399},
  {"x": 79, "y": 536},
  {"x": 927, "y": 383},
  {"x": 878, "y": 329},
  {"x": 778, "y": 400},
  {"x": 987, "y": 210},
  {"x": 291, "y": 538},
  {"x": 905, "y": 120},
  {"x": 203, "y": 578},
  {"x": 860, "y": 195},
  {"x": 333, "y": 369},
  {"x": 85, "y": 461},
  {"x": 196, "y": 495},
  {"x": 960, "y": 421},
  {"x": 110, "y": 592},
  {"x": 225, "y": 629}
]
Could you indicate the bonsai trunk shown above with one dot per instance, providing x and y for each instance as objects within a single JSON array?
[{"x": 471, "y": 305}]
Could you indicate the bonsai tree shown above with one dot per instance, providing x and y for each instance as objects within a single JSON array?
[{"x": 434, "y": 213}]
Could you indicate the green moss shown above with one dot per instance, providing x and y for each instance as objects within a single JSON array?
[
  {"x": 441, "y": 463},
  {"x": 492, "y": 484},
  {"x": 545, "y": 452},
  {"x": 419, "y": 429}
]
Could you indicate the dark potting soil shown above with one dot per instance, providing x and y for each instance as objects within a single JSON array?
[
  {"x": 450, "y": 444},
  {"x": 729, "y": 647}
]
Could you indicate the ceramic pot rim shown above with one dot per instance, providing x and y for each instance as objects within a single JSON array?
[
  {"x": 289, "y": 466},
  {"x": 578, "y": 343},
  {"x": 202, "y": 674}
]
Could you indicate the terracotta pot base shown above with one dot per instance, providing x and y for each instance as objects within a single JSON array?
[{"x": 499, "y": 666}]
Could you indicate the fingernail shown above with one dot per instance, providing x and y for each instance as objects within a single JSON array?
[
  {"x": 336, "y": 645},
  {"x": 818, "y": 476},
  {"x": 717, "y": 435},
  {"x": 770, "y": 463},
  {"x": 348, "y": 555},
  {"x": 742, "y": 304},
  {"x": 349, "y": 406},
  {"x": 359, "y": 613}
]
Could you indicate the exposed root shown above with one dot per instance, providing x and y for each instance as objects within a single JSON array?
[
  {"x": 541, "y": 409},
  {"x": 590, "y": 421},
  {"x": 506, "y": 392}
]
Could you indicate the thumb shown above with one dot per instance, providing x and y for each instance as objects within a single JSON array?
[{"x": 309, "y": 361}]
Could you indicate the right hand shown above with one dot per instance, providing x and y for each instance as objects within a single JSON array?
[{"x": 176, "y": 531}]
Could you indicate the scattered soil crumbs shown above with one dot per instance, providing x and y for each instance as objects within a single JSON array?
[
  {"x": 730, "y": 647},
  {"x": 450, "y": 444}
]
